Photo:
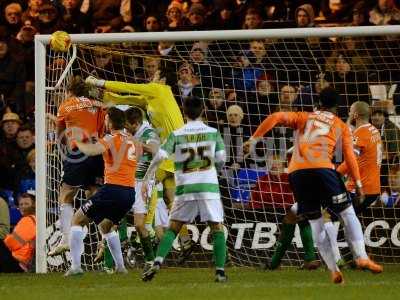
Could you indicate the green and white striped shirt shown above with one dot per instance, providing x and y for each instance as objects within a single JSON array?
[
  {"x": 197, "y": 149},
  {"x": 145, "y": 134}
]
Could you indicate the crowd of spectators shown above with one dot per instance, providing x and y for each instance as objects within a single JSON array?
[{"x": 239, "y": 82}]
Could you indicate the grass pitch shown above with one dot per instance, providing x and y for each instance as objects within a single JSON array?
[{"x": 243, "y": 284}]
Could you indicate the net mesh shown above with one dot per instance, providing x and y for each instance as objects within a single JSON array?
[{"x": 241, "y": 83}]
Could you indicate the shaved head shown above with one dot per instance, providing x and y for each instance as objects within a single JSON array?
[{"x": 360, "y": 108}]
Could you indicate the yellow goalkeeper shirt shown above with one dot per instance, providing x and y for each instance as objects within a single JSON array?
[{"x": 159, "y": 102}]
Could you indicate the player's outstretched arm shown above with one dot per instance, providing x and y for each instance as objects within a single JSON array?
[
  {"x": 289, "y": 119},
  {"x": 146, "y": 89},
  {"x": 111, "y": 98},
  {"x": 91, "y": 149}
]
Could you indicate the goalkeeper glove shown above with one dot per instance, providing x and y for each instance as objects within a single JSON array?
[{"x": 90, "y": 80}]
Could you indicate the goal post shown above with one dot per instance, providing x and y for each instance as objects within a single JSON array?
[
  {"x": 48, "y": 93},
  {"x": 40, "y": 142}
]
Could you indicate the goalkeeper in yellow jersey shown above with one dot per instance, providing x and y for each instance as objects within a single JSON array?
[{"x": 165, "y": 116}]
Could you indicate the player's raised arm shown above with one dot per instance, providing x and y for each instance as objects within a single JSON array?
[
  {"x": 146, "y": 89},
  {"x": 289, "y": 119},
  {"x": 113, "y": 98}
]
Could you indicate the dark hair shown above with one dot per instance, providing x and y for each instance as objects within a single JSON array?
[
  {"x": 155, "y": 16},
  {"x": 78, "y": 87},
  {"x": 26, "y": 127},
  {"x": 117, "y": 118},
  {"x": 329, "y": 98},
  {"x": 193, "y": 107},
  {"x": 28, "y": 195},
  {"x": 133, "y": 115},
  {"x": 253, "y": 11}
]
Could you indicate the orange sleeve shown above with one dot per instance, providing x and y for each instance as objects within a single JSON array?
[
  {"x": 349, "y": 156},
  {"x": 10, "y": 241},
  {"x": 101, "y": 122},
  {"x": 342, "y": 169},
  {"x": 288, "y": 119}
]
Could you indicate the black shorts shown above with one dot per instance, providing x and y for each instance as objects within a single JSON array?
[
  {"x": 314, "y": 189},
  {"x": 110, "y": 202},
  {"x": 83, "y": 171}
]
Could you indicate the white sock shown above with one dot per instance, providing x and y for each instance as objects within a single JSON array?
[
  {"x": 114, "y": 245},
  {"x": 332, "y": 232},
  {"x": 159, "y": 259},
  {"x": 66, "y": 214},
  {"x": 76, "y": 246},
  {"x": 323, "y": 243},
  {"x": 354, "y": 233}
]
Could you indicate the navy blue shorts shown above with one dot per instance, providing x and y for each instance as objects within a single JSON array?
[
  {"x": 83, "y": 171},
  {"x": 110, "y": 202},
  {"x": 314, "y": 189}
]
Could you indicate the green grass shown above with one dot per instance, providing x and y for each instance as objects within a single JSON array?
[{"x": 244, "y": 283}]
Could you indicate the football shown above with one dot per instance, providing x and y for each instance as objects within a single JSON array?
[{"x": 60, "y": 41}]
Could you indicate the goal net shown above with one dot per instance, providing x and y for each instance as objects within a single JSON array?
[{"x": 242, "y": 77}]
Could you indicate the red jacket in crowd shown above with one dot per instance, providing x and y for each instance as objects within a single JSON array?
[{"x": 272, "y": 191}]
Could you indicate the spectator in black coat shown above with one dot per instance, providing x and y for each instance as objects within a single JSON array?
[
  {"x": 26, "y": 48},
  {"x": 25, "y": 140},
  {"x": 352, "y": 85},
  {"x": 223, "y": 17},
  {"x": 12, "y": 16},
  {"x": 12, "y": 78},
  {"x": 215, "y": 108},
  {"x": 196, "y": 18},
  {"x": 188, "y": 83},
  {"x": 9, "y": 154},
  {"x": 72, "y": 19},
  {"x": 252, "y": 19},
  {"x": 49, "y": 19}
]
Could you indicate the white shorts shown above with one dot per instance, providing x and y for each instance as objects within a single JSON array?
[
  {"x": 140, "y": 206},
  {"x": 187, "y": 211},
  {"x": 161, "y": 216}
]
